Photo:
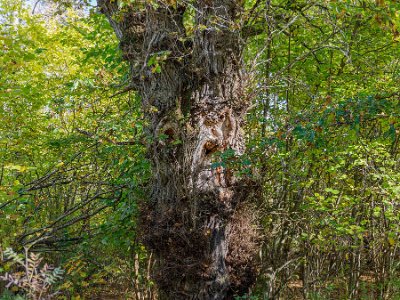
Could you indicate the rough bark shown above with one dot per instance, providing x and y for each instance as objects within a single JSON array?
[{"x": 198, "y": 220}]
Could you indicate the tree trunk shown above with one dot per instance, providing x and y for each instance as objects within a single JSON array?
[{"x": 198, "y": 221}]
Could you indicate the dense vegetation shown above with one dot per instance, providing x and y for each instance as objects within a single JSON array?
[{"x": 322, "y": 147}]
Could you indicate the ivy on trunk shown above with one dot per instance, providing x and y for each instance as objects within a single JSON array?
[{"x": 192, "y": 83}]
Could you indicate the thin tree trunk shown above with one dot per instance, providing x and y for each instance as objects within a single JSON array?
[{"x": 198, "y": 221}]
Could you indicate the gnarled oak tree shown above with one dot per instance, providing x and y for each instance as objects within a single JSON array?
[{"x": 186, "y": 64}]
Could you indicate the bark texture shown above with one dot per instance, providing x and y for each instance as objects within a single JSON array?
[{"x": 198, "y": 221}]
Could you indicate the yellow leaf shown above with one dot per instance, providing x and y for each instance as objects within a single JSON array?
[{"x": 17, "y": 168}]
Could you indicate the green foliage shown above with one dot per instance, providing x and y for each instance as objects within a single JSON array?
[
  {"x": 72, "y": 166},
  {"x": 325, "y": 135},
  {"x": 7, "y": 295},
  {"x": 322, "y": 137}
]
